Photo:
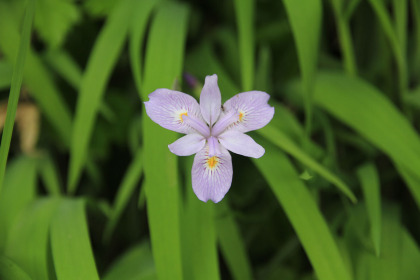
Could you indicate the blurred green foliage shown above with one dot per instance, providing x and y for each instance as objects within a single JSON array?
[{"x": 98, "y": 195}]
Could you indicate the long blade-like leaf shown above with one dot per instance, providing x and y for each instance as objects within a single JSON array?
[
  {"x": 17, "y": 192},
  {"x": 136, "y": 264},
  {"x": 27, "y": 244},
  {"x": 15, "y": 88},
  {"x": 198, "y": 235},
  {"x": 125, "y": 190},
  {"x": 101, "y": 62},
  {"x": 36, "y": 77},
  {"x": 137, "y": 31},
  {"x": 70, "y": 244},
  {"x": 368, "y": 176},
  {"x": 366, "y": 110},
  {"x": 245, "y": 19},
  {"x": 9, "y": 270},
  {"x": 163, "y": 64},
  {"x": 305, "y": 17},
  {"x": 281, "y": 140},
  {"x": 303, "y": 214},
  {"x": 232, "y": 244}
]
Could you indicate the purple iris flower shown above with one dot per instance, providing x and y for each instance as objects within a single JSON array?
[{"x": 211, "y": 130}]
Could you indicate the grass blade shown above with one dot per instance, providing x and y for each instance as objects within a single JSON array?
[
  {"x": 70, "y": 242},
  {"x": 64, "y": 64},
  {"x": 200, "y": 258},
  {"x": 163, "y": 64},
  {"x": 49, "y": 175},
  {"x": 366, "y": 110},
  {"x": 18, "y": 191},
  {"x": 231, "y": 243},
  {"x": 393, "y": 36},
  {"x": 303, "y": 214},
  {"x": 125, "y": 191},
  {"x": 101, "y": 62},
  {"x": 16, "y": 83},
  {"x": 6, "y": 72},
  {"x": 410, "y": 258},
  {"x": 28, "y": 238},
  {"x": 9, "y": 270},
  {"x": 281, "y": 140},
  {"x": 245, "y": 20},
  {"x": 136, "y": 264},
  {"x": 36, "y": 77},
  {"x": 368, "y": 176},
  {"x": 137, "y": 31},
  {"x": 305, "y": 17},
  {"x": 388, "y": 267},
  {"x": 344, "y": 34}
]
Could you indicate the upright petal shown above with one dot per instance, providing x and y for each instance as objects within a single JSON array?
[
  {"x": 211, "y": 176},
  {"x": 188, "y": 145},
  {"x": 210, "y": 100},
  {"x": 254, "y": 111},
  {"x": 241, "y": 144},
  {"x": 168, "y": 107},
  {"x": 214, "y": 146}
]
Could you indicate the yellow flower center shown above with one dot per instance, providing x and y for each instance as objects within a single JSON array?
[
  {"x": 241, "y": 116},
  {"x": 182, "y": 114},
  {"x": 212, "y": 162}
]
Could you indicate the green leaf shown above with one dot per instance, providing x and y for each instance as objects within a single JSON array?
[
  {"x": 27, "y": 244},
  {"x": 344, "y": 34},
  {"x": 305, "y": 17},
  {"x": 368, "y": 176},
  {"x": 36, "y": 77},
  {"x": 200, "y": 258},
  {"x": 102, "y": 60},
  {"x": 99, "y": 7},
  {"x": 278, "y": 138},
  {"x": 137, "y": 31},
  {"x": 245, "y": 20},
  {"x": 54, "y": 18},
  {"x": 388, "y": 266},
  {"x": 70, "y": 242},
  {"x": 64, "y": 64},
  {"x": 410, "y": 258},
  {"x": 163, "y": 65},
  {"x": 231, "y": 243},
  {"x": 303, "y": 214},
  {"x": 136, "y": 264},
  {"x": 5, "y": 74},
  {"x": 125, "y": 191},
  {"x": 17, "y": 192},
  {"x": 367, "y": 110},
  {"x": 394, "y": 36},
  {"x": 16, "y": 83},
  {"x": 9, "y": 270},
  {"x": 50, "y": 175}
]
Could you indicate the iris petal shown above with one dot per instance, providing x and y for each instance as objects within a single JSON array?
[
  {"x": 168, "y": 108},
  {"x": 252, "y": 108},
  {"x": 241, "y": 144},
  {"x": 187, "y": 145},
  {"x": 211, "y": 176},
  {"x": 210, "y": 100}
]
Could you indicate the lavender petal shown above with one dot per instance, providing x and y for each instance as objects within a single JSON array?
[
  {"x": 241, "y": 144},
  {"x": 211, "y": 176},
  {"x": 187, "y": 145},
  {"x": 214, "y": 146},
  {"x": 168, "y": 108},
  {"x": 254, "y": 111},
  {"x": 210, "y": 100}
]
